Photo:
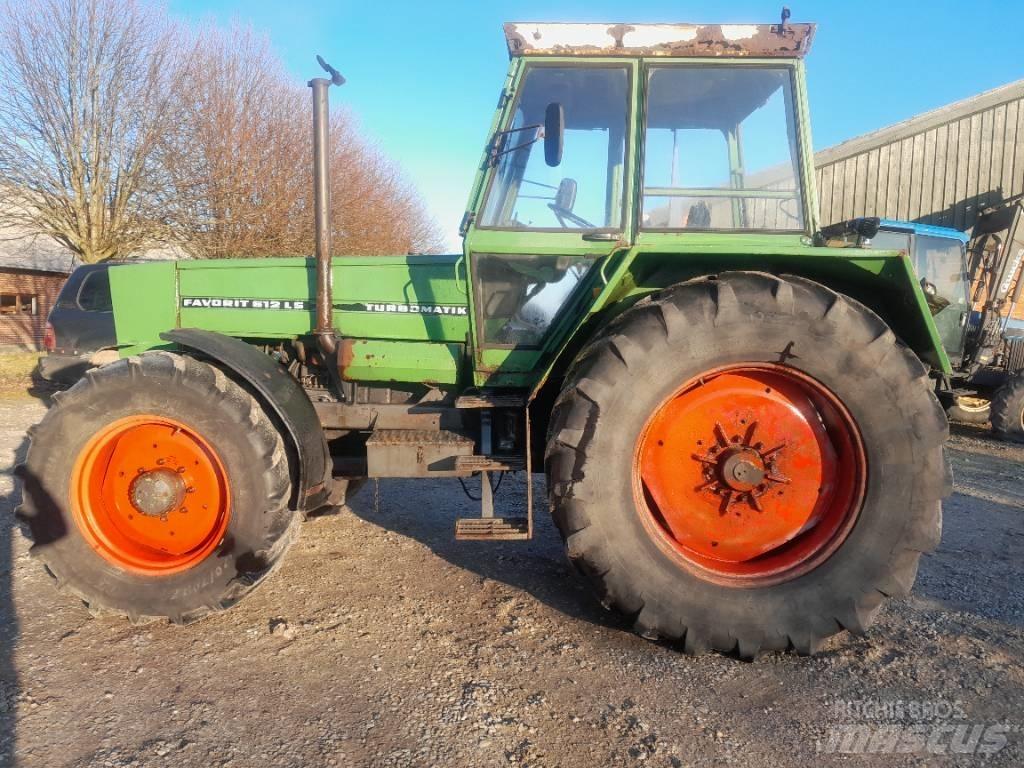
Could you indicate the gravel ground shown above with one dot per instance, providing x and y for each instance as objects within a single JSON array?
[{"x": 382, "y": 641}]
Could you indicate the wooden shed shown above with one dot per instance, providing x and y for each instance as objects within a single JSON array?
[{"x": 938, "y": 168}]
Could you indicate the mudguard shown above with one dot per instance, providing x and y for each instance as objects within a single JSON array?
[{"x": 283, "y": 396}]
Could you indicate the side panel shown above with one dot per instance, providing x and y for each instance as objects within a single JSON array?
[
  {"x": 409, "y": 361},
  {"x": 144, "y": 304},
  {"x": 415, "y": 298},
  {"x": 409, "y": 313}
]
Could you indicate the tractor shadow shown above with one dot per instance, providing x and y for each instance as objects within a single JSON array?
[
  {"x": 10, "y": 688},
  {"x": 426, "y": 511},
  {"x": 20, "y": 482},
  {"x": 976, "y": 530}
]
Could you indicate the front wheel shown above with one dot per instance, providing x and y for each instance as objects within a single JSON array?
[
  {"x": 747, "y": 463},
  {"x": 970, "y": 410},
  {"x": 157, "y": 487},
  {"x": 1008, "y": 409}
]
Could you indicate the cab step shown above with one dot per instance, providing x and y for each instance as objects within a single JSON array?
[
  {"x": 485, "y": 398},
  {"x": 490, "y": 463},
  {"x": 415, "y": 453},
  {"x": 492, "y": 529}
]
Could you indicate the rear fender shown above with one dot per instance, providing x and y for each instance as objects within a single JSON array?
[
  {"x": 285, "y": 400},
  {"x": 884, "y": 281}
]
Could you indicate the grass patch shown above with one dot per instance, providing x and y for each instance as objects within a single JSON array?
[{"x": 16, "y": 372}]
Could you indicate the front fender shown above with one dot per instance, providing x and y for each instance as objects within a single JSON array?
[{"x": 285, "y": 399}]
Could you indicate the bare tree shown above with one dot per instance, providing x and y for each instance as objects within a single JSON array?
[
  {"x": 244, "y": 164},
  {"x": 120, "y": 130},
  {"x": 87, "y": 92}
]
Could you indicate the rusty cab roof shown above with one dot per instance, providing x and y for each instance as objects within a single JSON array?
[{"x": 668, "y": 40}]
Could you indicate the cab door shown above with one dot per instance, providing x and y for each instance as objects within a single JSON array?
[
  {"x": 942, "y": 262},
  {"x": 541, "y": 225}
]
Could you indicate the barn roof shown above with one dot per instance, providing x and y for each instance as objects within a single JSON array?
[
  {"x": 921, "y": 123},
  {"x": 40, "y": 254}
]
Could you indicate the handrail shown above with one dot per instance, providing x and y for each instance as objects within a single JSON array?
[{"x": 772, "y": 194}]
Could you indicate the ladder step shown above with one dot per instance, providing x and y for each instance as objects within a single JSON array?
[
  {"x": 490, "y": 399},
  {"x": 415, "y": 453},
  {"x": 492, "y": 528},
  {"x": 489, "y": 463}
]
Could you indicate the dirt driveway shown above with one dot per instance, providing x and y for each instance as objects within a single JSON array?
[{"x": 382, "y": 641}]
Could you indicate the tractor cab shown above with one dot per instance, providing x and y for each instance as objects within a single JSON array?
[
  {"x": 970, "y": 282},
  {"x": 609, "y": 137},
  {"x": 939, "y": 257}
]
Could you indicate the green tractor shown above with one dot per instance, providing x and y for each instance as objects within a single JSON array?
[{"x": 738, "y": 424}]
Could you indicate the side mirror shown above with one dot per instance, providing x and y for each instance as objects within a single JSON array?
[
  {"x": 554, "y": 134},
  {"x": 565, "y": 197},
  {"x": 867, "y": 227}
]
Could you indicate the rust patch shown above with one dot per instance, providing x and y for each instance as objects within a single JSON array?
[
  {"x": 346, "y": 352},
  {"x": 669, "y": 40}
]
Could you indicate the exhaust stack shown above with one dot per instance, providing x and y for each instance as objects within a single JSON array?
[{"x": 326, "y": 338}]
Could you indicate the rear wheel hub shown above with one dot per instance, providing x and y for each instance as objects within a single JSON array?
[{"x": 751, "y": 473}]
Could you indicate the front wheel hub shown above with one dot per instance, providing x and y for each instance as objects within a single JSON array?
[
  {"x": 750, "y": 473},
  {"x": 157, "y": 492},
  {"x": 150, "y": 495}
]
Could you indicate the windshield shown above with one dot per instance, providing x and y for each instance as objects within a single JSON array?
[
  {"x": 720, "y": 149},
  {"x": 888, "y": 240},
  {"x": 585, "y": 190}
]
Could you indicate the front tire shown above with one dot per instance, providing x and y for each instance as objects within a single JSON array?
[
  {"x": 658, "y": 539},
  {"x": 157, "y": 487},
  {"x": 970, "y": 410}
]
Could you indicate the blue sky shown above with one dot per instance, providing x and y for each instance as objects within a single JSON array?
[{"x": 423, "y": 77}]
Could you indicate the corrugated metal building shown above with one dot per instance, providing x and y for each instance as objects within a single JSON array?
[{"x": 940, "y": 167}]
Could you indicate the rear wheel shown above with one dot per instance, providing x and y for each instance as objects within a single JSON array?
[
  {"x": 157, "y": 487},
  {"x": 747, "y": 463},
  {"x": 1008, "y": 409}
]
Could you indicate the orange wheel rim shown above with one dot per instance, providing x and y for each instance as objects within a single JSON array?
[
  {"x": 750, "y": 474},
  {"x": 150, "y": 495}
]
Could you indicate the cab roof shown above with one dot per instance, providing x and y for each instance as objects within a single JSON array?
[
  {"x": 923, "y": 229},
  {"x": 785, "y": 40}
]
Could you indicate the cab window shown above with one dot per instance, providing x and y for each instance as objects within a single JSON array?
[
  {"x": 519, "y": 297},
  {"x": 585, "y": 190},
  {"x": 940, "y": 261},
  {"x": 720, "y": 150},
  {"x": 889, "y": 240}
]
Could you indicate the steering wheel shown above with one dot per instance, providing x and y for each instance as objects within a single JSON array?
[{"x": 564, "y": 214}]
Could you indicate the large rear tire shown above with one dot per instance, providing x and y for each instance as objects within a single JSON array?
[
  {"x": 157, "y": 487},
  {"x": 704, "y": 527},
  {"x": 1008, "y": 409}
]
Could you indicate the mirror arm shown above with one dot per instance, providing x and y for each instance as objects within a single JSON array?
[{"x": 495, "y": 141}]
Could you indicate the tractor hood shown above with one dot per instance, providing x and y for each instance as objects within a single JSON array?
[{"x": 408, "y": 298}]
